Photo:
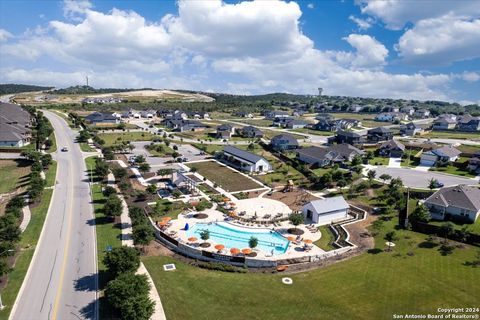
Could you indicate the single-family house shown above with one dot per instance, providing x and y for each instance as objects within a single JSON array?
[
  {"x": 408, "y": 110},
  {"x": 411, "y": 129},
  {"x": 290, "y": 123},
  {"x": 327, "y": 210},
  {"x": 391, "y": 116},
  {"x": 147, "y": 114},
  {"x": 250, "y": 132},
  {"x": 468, "y": 123},
  {"x": 243, "y": 114},
  {"x": 327, "y": 124},
  {"x": 349, "y": 137},
  {"x": 440, "y": 155},
  {"x": 474, "y": 164},
  {"x": 198, "y": 115},
  {"x": 245, "y": 161},
  {"x": 298, "y": 112},
  {"x": 325, "y": 156},
  {"x": 460, "y": 202},
  {"x": 422, "y": 113},
  {"x": 379, "y": 134},
  {"x": 225, "y": 131},
  {"x": 284, "y": 141},
  {"x": 391, "y": 148},
  {"x": 445, "y": 122},
  {"x": 276, "y": 114},
  {"x": 15, "y": 126},
  {"x": 101, "y": 117}
]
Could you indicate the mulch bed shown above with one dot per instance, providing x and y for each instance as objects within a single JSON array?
[
  {"x": 200, "y": 216},
  {"x": 205, "y": 244},
  {"x": 296, "y": 232},
  {"x": 253, "y": 254}
]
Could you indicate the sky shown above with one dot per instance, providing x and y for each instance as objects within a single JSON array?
[{"x": 425, "y": 50}]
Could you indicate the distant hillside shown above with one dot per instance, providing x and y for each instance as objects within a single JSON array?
[
  {"x": 10, "y": 88},
  {"x": 91, "y": 90}
]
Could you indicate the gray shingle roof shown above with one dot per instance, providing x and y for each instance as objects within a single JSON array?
[
  {"x": 330, "y": 204},
  {"x": 392, "y": 144},
  {"x": 284, "y": 137},
  {"x": 461, "y": 196},
  {"x": 242, "y": 154},
  {"x": 447, "y": 150}
]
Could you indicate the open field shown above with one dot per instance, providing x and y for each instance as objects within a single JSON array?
[
  {"x": 117, "y": 137},
  {"x": 453, "y": 135},
  {"x": 413, "y": 278},
  {"x": 36, "y": 98},
  {"x": 223, "y": 176},
  {"x": 13, "y": 173}
]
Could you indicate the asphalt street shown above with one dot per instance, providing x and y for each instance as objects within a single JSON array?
[{"x": 62, "y": 280}]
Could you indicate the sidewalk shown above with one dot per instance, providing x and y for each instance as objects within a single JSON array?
[{"x": 126, "y": 222}]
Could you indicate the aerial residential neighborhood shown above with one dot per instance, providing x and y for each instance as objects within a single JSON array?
[{"x": 226, "y": 160}]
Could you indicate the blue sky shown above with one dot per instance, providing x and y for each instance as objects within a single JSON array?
[{"x": 399, "y": 49}]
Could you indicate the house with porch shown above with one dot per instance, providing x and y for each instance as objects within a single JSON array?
[
  {"x": 460, "y": 202},
  {"x": 224, "y": 131},
  {"x": 325, "y": 156},
  {"x": 284, "y": 141},
  {"x": 245, "y": 161},
  {"x": 325, "y": 211}
]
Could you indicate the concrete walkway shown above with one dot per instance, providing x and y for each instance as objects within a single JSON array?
[
  {"x": 126, "y": 222},
  {"x": 26, "y": 218}
]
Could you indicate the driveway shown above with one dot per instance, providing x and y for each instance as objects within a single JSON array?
[
  {"x": 394, "y": 162},
  {"x": 420, "y": 179}
]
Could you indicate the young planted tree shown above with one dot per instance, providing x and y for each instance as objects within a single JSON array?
[
  {"x": 142, "y": 235},
  {"x": 384, "y": 177},
  {"x": 432, "y": 183},
  {"x": 420, "y": 214},
  {"x": 113, "y": 206},
  {"x": 296, "y": 219},
  {"x": 152, "y": 188},
  {"x": 253, "y": 242},
  {"x": 119, "y": 172},
  {"x": 446, "y": 231},
  {"x": 205, "y": 235},
  {"x": 144, "y": 167},
  {"x": 390, "y": 237},
  {"x": 371, "y": 175}
]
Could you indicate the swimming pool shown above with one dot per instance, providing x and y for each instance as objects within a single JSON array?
[{"x": 237, "y": 237}]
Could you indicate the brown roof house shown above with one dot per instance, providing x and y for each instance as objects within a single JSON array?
[{"x": 460, "y": 202}]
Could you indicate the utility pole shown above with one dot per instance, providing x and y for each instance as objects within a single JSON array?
[{"x": 87, "y": 80}]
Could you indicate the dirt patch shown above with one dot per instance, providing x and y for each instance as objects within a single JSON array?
[
  {"x": 359, "y": 233},
  {"x": 200, "y": 216},
  {"x": 121, "y": 157},
  {"x": 294, "y": 199}
]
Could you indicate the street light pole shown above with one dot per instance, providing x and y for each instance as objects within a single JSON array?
[{"x": 1, "y": 304}]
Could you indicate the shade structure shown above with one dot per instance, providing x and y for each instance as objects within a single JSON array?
[
  {"x": 291, "y": 238},
  {"x": 232, "y": 204},
  {"x": 186, "y": 227},
  {"x": 219, "y": 247},
  {"x": 192, "y": 239},
  {"x": 246, "y": 251},
  {"x": 226, "y": 199},
  {"x": 163, "y": 223},
  {"x": 234, "y": 251},
  {"x": 166, "y": 218},
  {"x": 308, "y": 241}
]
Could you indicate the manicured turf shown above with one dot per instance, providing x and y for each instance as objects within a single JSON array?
[
  {"x": 225, "y": 177},
  {"x": 51, "y": 174},
  {"x": 327, "y": 239},
  {"x": 471, "y": 227},
  {"x": 315, "y": 132},
  {"x": 85, "y": 147},
  {"x": 457, "y": 168},
  {"x": 53, "y": 147},
  {"x": 371, "y": 286},
  {"x": 13, "y": 173},
  {"x": 380, "y": 161},
  {"x": 452, "y": 135},
  {"x": 27, "y": 243},
  {"x": 168, "y": 209},
  {"x": 112, "y": 138}
]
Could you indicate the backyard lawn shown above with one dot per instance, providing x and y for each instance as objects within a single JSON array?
[
  {"x": 13, "y": 173},
  {"x": 112, "y": 138},
  {"x": 452, "y": 135},
  {"x": 413, "y": 278},
  {"x": 225, "y": 177},
  {"x": 316, "y": 132},
  {"x": 379, "y": 161},
  {"x": 457, "y": 168}
]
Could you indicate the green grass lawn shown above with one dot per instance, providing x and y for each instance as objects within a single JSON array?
[
  {"x": 256, "y": 122},
  {"x": 457, "y": 168},
  {"x": 327, "y": 239},
  {"x": 315, "y": 132},
  {"x": 168, "y": 209},
  {"x": 13, "y": 174},
  {"x": 51, "y": 174},
  {"x": 225, "y": 177},
  {"x": 27, "y": 244},
  {"x": 452, "y": 135},
  {"x": 53, "y": 147},
  {"x": 208, "y": 148},
  {"x": 85, "y": 147},
  {"x": 411, "y": 279},
  {"x": 162, "y": 152},
  {"x": 379, "y": 161},
  {"x": 471, "y": 227},
  {"x": 112, "y": 138}
]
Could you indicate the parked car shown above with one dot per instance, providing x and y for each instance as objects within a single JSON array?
[{"x": 64, "y": 149}]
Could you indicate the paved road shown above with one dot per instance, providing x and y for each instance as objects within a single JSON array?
[
  {"x": 62, "y": 279},
  {"x": 420, "y": 179}
]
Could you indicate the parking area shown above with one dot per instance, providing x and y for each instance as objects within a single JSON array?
[{"x": 420, "y": 179}]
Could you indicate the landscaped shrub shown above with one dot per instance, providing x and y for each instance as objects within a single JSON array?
[{"x": 218, "y": 266}]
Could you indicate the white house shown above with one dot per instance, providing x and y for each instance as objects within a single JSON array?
[
  {"x": 326, "y": 211},
  {"x": 245, "y": 161}
]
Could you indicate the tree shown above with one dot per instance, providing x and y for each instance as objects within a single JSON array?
[
  {"x": 446, "y": 230},
  {"x": 83, "y": 136},
  {"x": 193, "y": 169},
  {"x": 113, "y": 206},
  {"x": 251, "y": 147},
  {"x": 139, "y": 159},
  {"x": 119, "y": 172},
  {"x": 420, "y": 214},
  {"x": 142, "y": 234},
  {"x": 152, "y": 188},
  {"x": 390, "y": 237},
  {"x": 384, "y": 177},
  {"x": 165, "y": 172},
  {"x": 357, "y": 160},
  {"x": 252, "y": 242},
  {"x": 122, "y": 260},
  {"x": 101, "y": 167},
  {"x": 377, "y": 226},
  {"x": 296, "y": 219},
  {"x": 46, "y": 160},
  {"x": 129, "y": 294},
  {"x": 371, "y": 175},
  {"x": 205, "y": 235},
  {"x": 108, "y": 191},
  {"x": 432, "y": 183},
  {"x": 144, "y": 167}
]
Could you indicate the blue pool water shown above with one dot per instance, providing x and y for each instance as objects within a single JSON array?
[{"x": 237, "y": 237}]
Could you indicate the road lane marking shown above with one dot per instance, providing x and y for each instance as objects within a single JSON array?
[{"x": 65, "y": 251}]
